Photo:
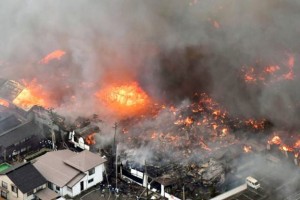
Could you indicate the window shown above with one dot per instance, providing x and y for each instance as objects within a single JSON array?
[
  {"x": 91, "y": 171},
  {"x": 91, "y": 180},
  {"x": 57, "y": 188},
  {"x": 50, "y": 185},
  {"x": 4, "y": 184},
  {"x": 14, "y": 189},
  {"x": 3, "y": 194}
]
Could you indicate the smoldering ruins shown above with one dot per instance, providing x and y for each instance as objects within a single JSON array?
[{"x": 192, "y": 87}]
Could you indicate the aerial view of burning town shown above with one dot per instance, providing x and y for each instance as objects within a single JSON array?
[{"x": 160, "y": 99}]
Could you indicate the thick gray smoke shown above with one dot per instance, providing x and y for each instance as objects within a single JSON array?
[{"x": 172, "y": 48}]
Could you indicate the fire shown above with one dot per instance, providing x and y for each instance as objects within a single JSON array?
[
  {"x": 4, "y": 103},
  {"x": 297, "y": 144},
  {"x": 90, "y": 139},
  {"x": 32, "y": 95},
  {"x": 286, "y": 148},
  {"x": 55, "y": 55},
  {"x": 275, "y": 140},
  {"x": 125, "y": 99},
  {"x": 271, "y": 73},
  {"x": 256, "y": 124},
  {"x": 247, "y": 149},
  {"x": 272, "y": 69}
]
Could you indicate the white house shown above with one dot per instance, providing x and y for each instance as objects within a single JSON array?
[{"x": 70, "y": 173}]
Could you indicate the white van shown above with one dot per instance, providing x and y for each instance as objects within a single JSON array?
[{"x": 252, "y": 182}]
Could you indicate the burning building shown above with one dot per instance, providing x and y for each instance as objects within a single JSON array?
[{"x": 184, "y": 80}]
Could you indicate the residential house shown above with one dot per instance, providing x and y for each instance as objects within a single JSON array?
[
  {"x": 70, "y": 173},
  {"x": 18, "y": 140},
  {"x": 24, "y": 182}
]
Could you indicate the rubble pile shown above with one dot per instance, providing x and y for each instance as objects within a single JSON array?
[
  {"x": 190, "y": 132},
  {"x": 212, "y": 173}
]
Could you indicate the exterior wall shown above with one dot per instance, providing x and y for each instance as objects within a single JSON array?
[
  {"x": 10, "y": 194},
  {"x": 97, "y": 178},
  {"x": 76, "y": 190},
  {"x": 31, "y": 143},
  {"x": 66, "y": 191},
  {"x": 32, "y": 196}
]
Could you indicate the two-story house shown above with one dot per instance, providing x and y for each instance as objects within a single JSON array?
[
  {"x": 24, "y": 182},
  {"x": 70, "y": 173}
]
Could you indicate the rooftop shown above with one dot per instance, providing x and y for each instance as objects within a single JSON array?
[
  {"x": 64, "y": 167},
  {"x": 4, "y": 166},
  {"x": 53, "y": 168},
  {"x": 85, "y": 161},
  {"x": 21, "y": 174}
]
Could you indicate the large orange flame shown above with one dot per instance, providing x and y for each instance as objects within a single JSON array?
[
  {"x": 33, "y": 94},
  {"x": 125, "y": 99},
  {"x": 55, "y": 55}
]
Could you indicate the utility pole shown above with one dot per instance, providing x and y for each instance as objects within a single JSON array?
[
  {"x": 183, "y": 194},
  {"x": 146, "y": 175},
  {"x": 116, "y": 169},
  {"x": 115, "y": 127},
  {"x": 116, "y": 152}
]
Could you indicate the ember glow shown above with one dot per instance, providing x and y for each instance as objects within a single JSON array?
[
  {"x": 247, "y": 149},
  {"x": 55, "y": 55},
  {"x": 125, "y": 99},
  {"x": 199, "y": 127},
  {"x": 271, "y": 73}
]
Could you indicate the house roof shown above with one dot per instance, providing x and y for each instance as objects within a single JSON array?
[
  {"x": 76, "y": 179},
  {"x": 8, "y": 121},
  {"x": 18, "y": 133},
  {"x": 25, "y": 177},
  {"x": 10, "y": 89},
  {"x": 65, "y": 167},
  {"x": 53, "y": 168},
  {"x": 85, "y": 161},
  {"x": 47, "y": 194}
]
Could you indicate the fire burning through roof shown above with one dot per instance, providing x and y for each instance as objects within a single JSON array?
[
  {"x": 125, "y": 99},
  {"x": 220, "y": 76},
  {"x": 32, "y": 95}
]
